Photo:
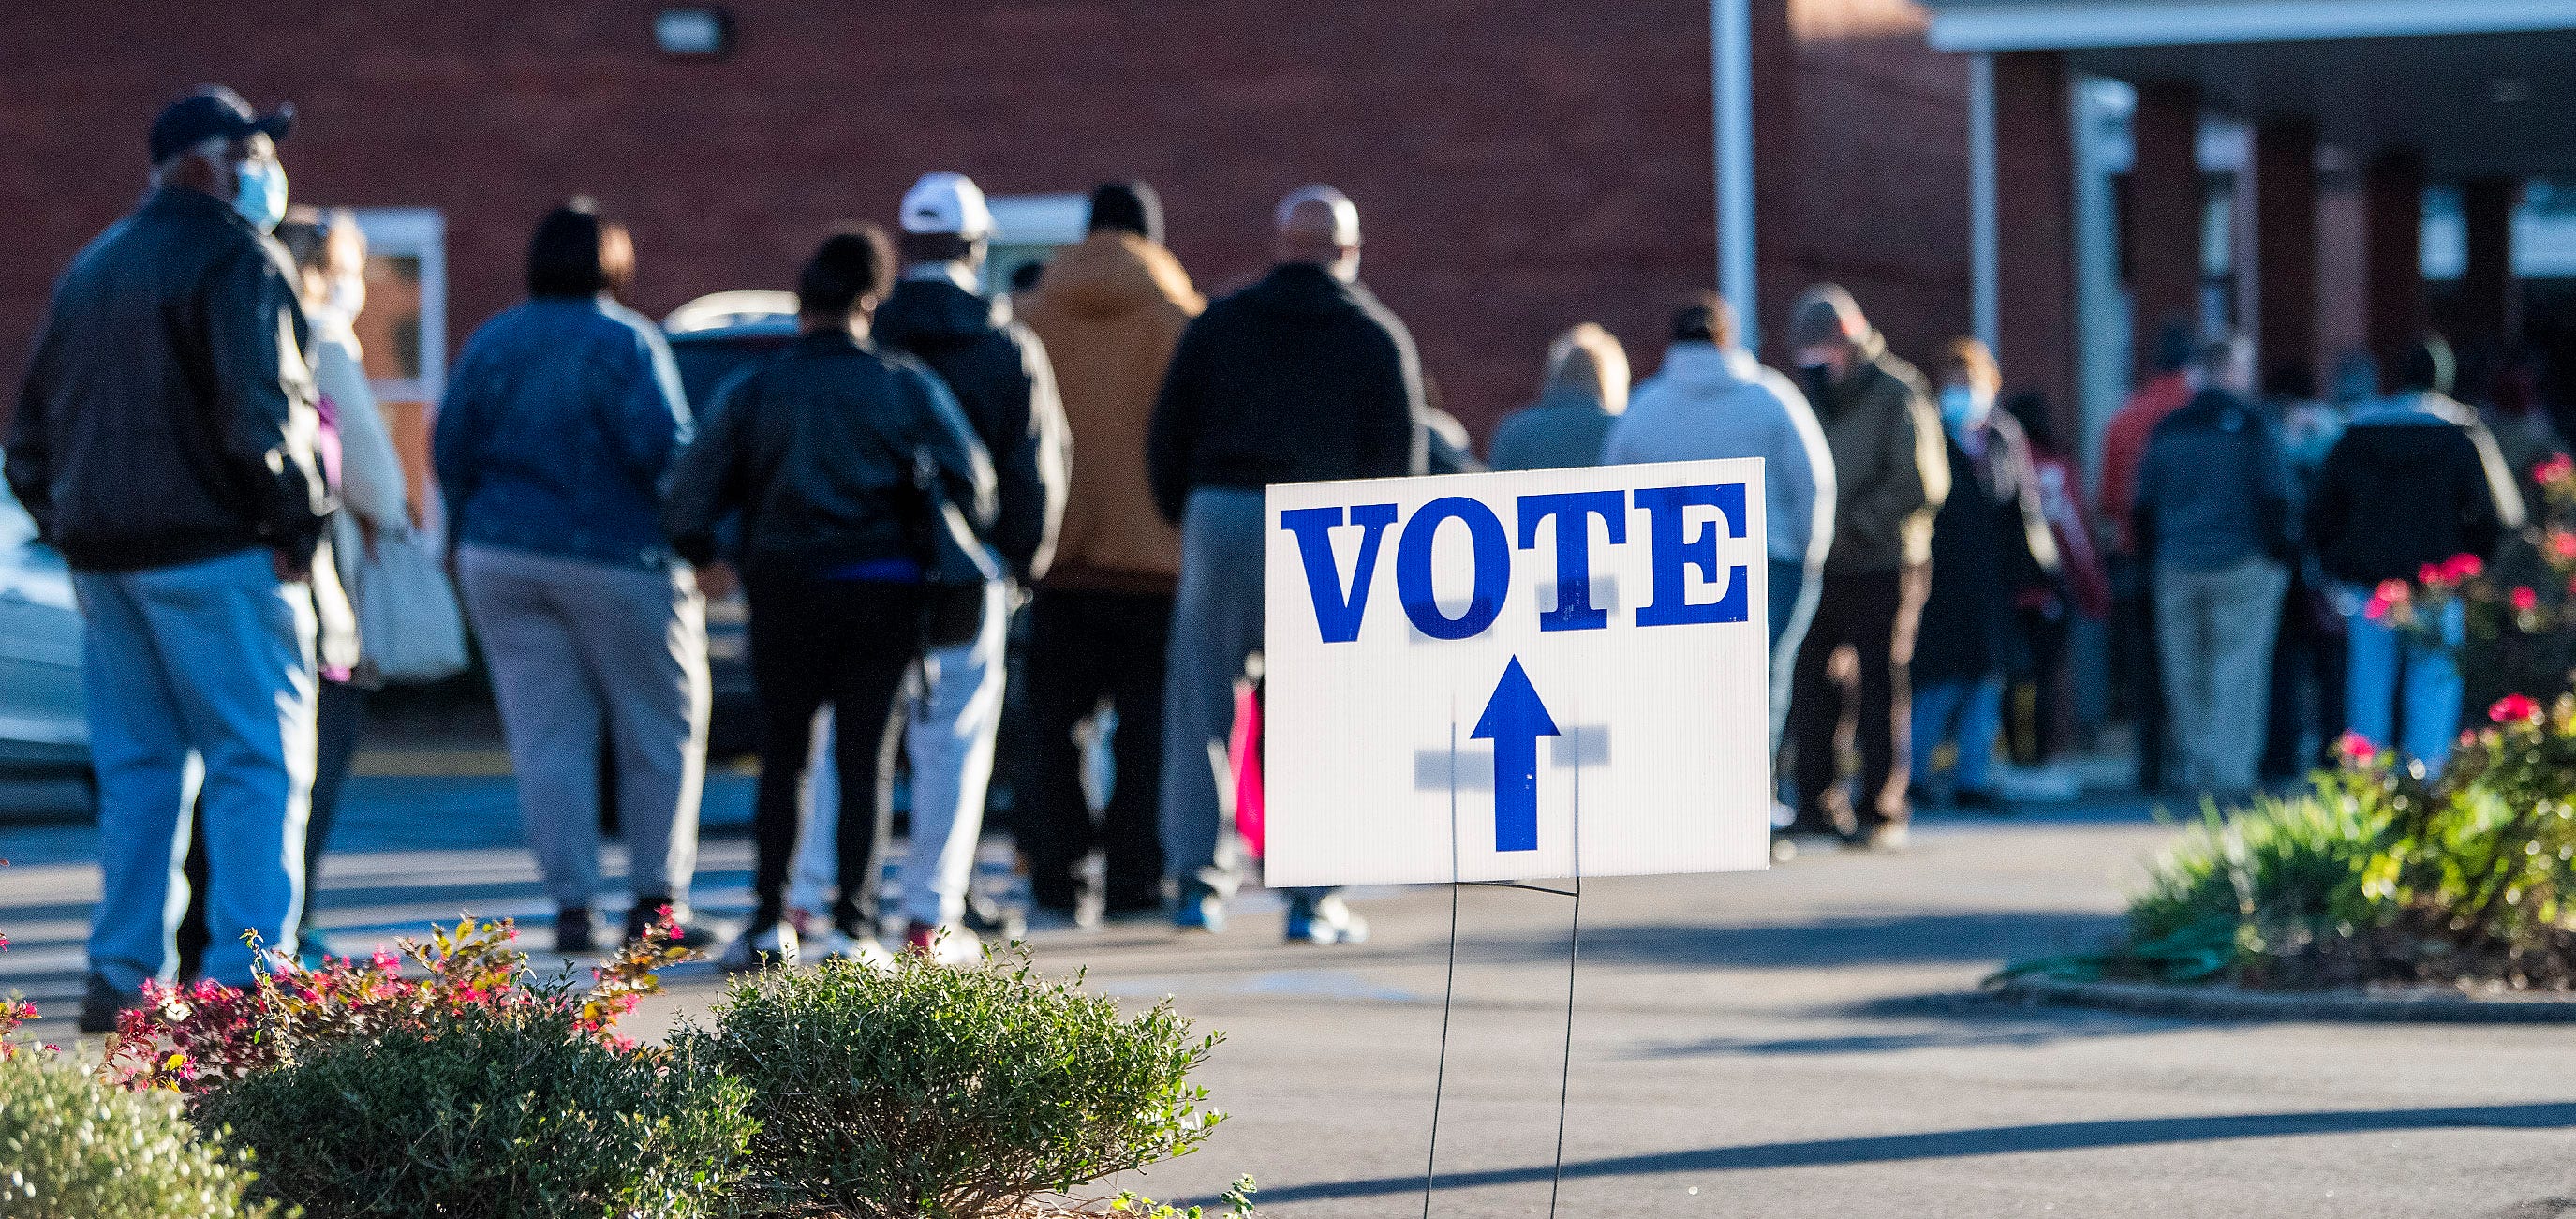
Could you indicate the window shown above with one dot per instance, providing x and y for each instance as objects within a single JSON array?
[{"x": 403, "y": 331}]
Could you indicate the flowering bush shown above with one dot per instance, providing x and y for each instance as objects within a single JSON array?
[
  {"x": 2379, "y": 875},
  {"x": 201, "y": 1037},
  {"x": 928, "y": 1092}
]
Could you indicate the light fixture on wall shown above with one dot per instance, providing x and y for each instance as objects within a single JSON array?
[{"x": 693, "y": 33}]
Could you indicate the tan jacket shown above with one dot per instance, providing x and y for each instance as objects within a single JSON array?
[{"x": 1110, "y": 311}]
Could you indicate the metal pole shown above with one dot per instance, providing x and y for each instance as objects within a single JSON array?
[
  {"x": 1731, "y": 98},
  {"x": 1983, "y": 272}
]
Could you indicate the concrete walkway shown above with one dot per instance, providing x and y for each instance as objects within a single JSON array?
[{"x": 1802, "y": 1042}]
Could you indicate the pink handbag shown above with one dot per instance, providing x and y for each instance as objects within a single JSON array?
[{"x": 1245, "y": 751}]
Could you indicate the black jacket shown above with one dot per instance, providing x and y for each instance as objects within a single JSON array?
[
  {"x": 1990, "y": 541},
  {"x": 999, "y": 373},
  {"x": 167, "y": 417},
  {"x": 1298, "y": 378},
  {"x": 2400, "y": 489},
  {"x": 819, "y": 448}
]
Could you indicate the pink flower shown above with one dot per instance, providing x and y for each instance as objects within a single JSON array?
[
  {"x": 2356, "y": 749},
  {"x": 2562, "y": 543},
  {"x": 2462, "y": 567},
  {"x": 2514, "y": 709},
  {"x": 2525, "y": 600},
  {"x": 2559, "y": 466},
  {"x": 2429, "y": 574}
]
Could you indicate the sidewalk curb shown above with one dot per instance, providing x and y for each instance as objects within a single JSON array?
[{"x": 2221, "y": 1003}]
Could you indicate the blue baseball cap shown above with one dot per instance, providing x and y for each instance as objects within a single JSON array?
[{"x": 210, "y": 112}]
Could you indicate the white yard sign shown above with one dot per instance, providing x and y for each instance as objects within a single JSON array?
[{"x": 1517, "y": 676}]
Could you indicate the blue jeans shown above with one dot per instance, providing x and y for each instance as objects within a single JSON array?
[
  {"x": 1794, "y": 593},
  {"x": 201, "y": 693},
  {"x": 2381, "y": 667},
  {"x": 1972, "y": 713}
]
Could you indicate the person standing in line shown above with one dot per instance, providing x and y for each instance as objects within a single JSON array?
[
  {"x": 2213, "y": 518},
  {"x": 1110, "y": 312},
  {"x": 1712, "y": 399},
  {"x": 331, "y": 264},
  {"x": 1301, "y": 377},
  {"x": 2307, "y": 648},
  {"x": 164, "y": 442},
  {"x": 821, "y": 449},
  {"x": 2040, "y": 707},
  {"x": 2412, "y": 482},
  {"x": 1990, "y": 542},
  {"x": 559, "y": 422},
  {"x": 1580, "y": 397},
  {"x": 1891, "y": 472},
  {"x": 999, "y": 373},
  {"x": 2133, "y": 602}
]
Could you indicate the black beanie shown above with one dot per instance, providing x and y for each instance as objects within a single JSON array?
[
  {"x": 851, "y": 264},
  {"x": 1127, "y": 207}
]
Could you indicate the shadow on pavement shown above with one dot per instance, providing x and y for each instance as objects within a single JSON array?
[
  {"x": 1991, "y": 1140},
  {"x": 1891, "y": 939}
]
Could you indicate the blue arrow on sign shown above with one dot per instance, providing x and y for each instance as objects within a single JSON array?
[{"x": 1514, "y": 720}]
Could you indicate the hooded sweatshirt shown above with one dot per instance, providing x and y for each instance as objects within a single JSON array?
[
  {"x": 998, "y": 371},
  {"x": 1706, "y": 402},
  {"x": 1110, "y": 312},
  {"x": 2413, "y": 480},
  {"x": 1891, "y": 462},
  {"x": 1298, "y": 378}
]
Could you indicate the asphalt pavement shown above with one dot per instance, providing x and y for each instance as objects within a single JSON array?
[{"x": 1807, "y": 1041}]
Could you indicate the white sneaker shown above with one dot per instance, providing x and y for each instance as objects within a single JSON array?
[
  {"x": 944, "y": 945},
  {"x": 761, "y": 948},
  {"x": 839, "y": 945}
]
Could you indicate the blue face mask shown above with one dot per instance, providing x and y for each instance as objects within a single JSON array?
[
  {"x": 259, "y": 193},
  {"x": 1960, "y": 407}
]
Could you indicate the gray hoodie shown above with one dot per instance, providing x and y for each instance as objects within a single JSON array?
[{"x": 1706, "y": 403}]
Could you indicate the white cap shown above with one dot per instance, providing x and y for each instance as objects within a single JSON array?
[
  {"x": 947, "y": 203},
  {"x": 1346, "y": 214}
]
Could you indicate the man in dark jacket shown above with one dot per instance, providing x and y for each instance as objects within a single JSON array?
[
  {"x": 1111, "y": 310},
  {"x": 999, "y": 373},
  {"x": 821, "y": 449},
  {"x": 2413, "y": 481},
  {"x": 2213, "y": 516},
  {"x": 164, "y": 443},
  {"x": 1891, "y": 471},
  {"x": 1301, "y": 377}
]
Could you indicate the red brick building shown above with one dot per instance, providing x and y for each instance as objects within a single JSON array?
[{"x": 1520, "y": 165}]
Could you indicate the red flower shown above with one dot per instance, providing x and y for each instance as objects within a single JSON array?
[
  {"x": 2356, "y": 749},
  {"x": 2562, "y": 543},
  {"x": 2514, "y": 709},
  {"x": 2525, "y": 600},
  {"x": 2557, "y": 467},
  {"x": 2462, "y": 567},
  {"x": 2428, "y": 574}
]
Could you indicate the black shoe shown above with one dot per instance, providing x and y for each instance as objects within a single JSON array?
[
  {"x": 687, "y": 931},
  {"x": 1981, "y": 801},
  {"x": 574, "y": 932},
  {"x": 102, "y": 1003},
  {"x": 991, "y": 918}
]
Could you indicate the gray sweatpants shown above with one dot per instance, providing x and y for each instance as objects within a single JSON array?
[
  {"x": 1216, "y": 626},
  {"x": 585, "y": 652},
  {"x": 2214, "y": 634}
]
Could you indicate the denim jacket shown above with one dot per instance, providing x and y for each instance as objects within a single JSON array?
[{"x": 559, "y": 422}]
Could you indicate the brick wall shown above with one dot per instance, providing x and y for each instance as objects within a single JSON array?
[{"x": 1520, "y": 165}]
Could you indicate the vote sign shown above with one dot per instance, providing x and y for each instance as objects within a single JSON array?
[{"x": 1517, "y": 676}]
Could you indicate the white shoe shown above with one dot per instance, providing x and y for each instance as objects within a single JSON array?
[
  {"x": 839, "y": 945},
  {"x": 761, "y": 948}
]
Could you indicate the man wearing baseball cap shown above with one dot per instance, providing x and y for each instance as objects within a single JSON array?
[
  {"x": 999, "y": 374},
  {"x": 164, "y": 444}
]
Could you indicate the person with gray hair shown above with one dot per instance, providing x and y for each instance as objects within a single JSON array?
[
  {"x": 164, "y": 443},
  {"x": 2213, "y": 518},
  {"x": 1581, "y": 395},
  {"x": 1301, "y": 377}
]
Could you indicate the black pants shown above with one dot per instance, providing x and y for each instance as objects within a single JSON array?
[
  {"x": 1875, "y": 614},
  {"x": 845, "y": 644},
  {"x": 2136, "y": 665},
  {"x": 1086, "y": 648},
  {"x": 2308, "y": 654}
]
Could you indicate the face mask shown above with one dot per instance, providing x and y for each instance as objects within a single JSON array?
[
  {"x": 259, "y": 193},
  {"x": 1818, "y": 380},
  {"x": 1961, "y": 406},
  {"x": 348, "y": 296}
]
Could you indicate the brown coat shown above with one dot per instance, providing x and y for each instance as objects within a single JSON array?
[{"x": 1110, "y": 311}]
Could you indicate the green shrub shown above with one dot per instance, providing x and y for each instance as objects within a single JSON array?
[
  {"x": 924, "y": 1092},
  {"x": 2278, "y": 873},
  {"x": 73, "y": 1146},
  {"x": 494, "y": 1112}
]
